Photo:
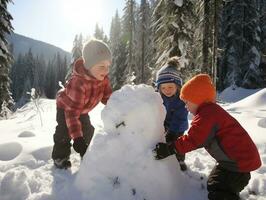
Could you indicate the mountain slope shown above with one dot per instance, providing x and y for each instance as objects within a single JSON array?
[{"x": 22, "y": 44}]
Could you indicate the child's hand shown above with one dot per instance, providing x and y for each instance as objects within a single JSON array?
[
  {"x": 80, "y": 146},
  {"x": 163, "y": 150},
  {"x": 170, "y": 137}
]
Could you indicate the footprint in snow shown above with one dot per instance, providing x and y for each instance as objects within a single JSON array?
[
  {"x": 262, "y": 123},
  {"x": 43, "y": 153},
  {"x": 26, "y": 134},
  {"x": 9, "y": 151}
]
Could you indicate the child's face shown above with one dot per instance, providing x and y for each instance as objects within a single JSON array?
[
  {"x": 168, "y": 89},
  {"x": 191, "y": 107},
  {"x": 100, "y": 70}
]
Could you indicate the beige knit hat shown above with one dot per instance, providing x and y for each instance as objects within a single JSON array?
[{"x": 95, "y": 51}]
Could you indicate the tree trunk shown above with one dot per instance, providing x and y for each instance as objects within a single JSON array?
[{"x": 206, "y": 36}]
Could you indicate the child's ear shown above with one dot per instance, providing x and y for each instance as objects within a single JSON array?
[{"x": 178, "y": 88}]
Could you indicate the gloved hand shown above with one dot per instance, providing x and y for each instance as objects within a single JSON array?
[
  {"x": 80, "y": 146},
  {"x": 170, "y": 137},
  {"x": 163, "y": 150}
]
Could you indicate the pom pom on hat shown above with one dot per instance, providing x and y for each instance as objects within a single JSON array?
[
  {"x": 198, "y": 90},
  {"x": 95, "y": 51},
  {"x": 169, "y": 73}
]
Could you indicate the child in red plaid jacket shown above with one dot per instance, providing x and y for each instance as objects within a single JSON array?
[{"x": 87, "y": 86}]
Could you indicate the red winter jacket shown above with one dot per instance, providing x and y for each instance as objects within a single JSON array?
[
  {"x": 81, "y": 94},
  {"x": 223, "y": 137}
]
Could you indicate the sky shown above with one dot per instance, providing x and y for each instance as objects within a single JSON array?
[
  {"x": 119, "y": 163},
  {"x": 58, "y": 21}
]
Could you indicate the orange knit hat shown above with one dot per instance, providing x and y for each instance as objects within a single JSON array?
[{"x": 198, "y": 90}]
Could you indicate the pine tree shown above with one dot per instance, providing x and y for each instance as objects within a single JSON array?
[
  {"x": 241, "y": 57},
  {"x": 117, "y": 76},
  {"x": 5, "y": 56},
  {"x": 262, "y": 17},
  {"x": 75, "y": 54},
  {"x": 115, "y": 31},
  {"x": 17, "y": 78},
  {"x": 118, "y": 48},
  {"x": 143, "y": 43},
  {"x": 174, "y": 32},
  {"x": 250, "y": 63},
  {"x": 128, "y": 30},
  {"x": 262, "y": 14},
  {"x": 27, "y": 78},
  {"x": 98, "y": 33},
  {"x": 51, "y": 82},
  {"x": 40, "y": 75},
  {"x": 61, "y": 66},
  {"x": 206, "y": 65}
]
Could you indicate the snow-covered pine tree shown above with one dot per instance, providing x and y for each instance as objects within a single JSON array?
[
  {"x": 262, "y": 14},
  {"x": 118, "y": 48},
  {"x": 250, "y": 62},
  {"x": 262, "y": 17},
  {"x": 5, "y": 56},
  {"x": 143, "y": 42},
  {"x": 241, "y": 55},
  {"x": 174, "y": 30},
  {"x": 98, "y": 33},
  {"x": 128, "y": 30},
  {"x": 115, "y": 31},
  {"x": 118, "y": 78},
  {"x": 207, "y": 30},
  {"x": 76, "y": 53}
]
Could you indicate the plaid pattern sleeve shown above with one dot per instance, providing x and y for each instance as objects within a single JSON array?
[
  {"x": 75, "y": 100},
  {"x": 107, "y": 92},
  {"x": 73, "y": 123}
]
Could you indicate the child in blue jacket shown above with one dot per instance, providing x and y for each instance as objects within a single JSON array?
[{"x": 169, "y": 83}]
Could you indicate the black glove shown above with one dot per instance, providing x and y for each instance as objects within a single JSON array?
[
  {"x": 170, "y": 137},
  {"x": 80, "y": 146},
  {"x": 163, "y": 150}
]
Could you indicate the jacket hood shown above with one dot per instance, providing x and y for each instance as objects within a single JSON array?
[{"x": 79, "y": 70}]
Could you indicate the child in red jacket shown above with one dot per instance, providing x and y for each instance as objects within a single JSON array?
[
  {"x": 87, "y": 86},
  {"x": 221, "y": 135}
]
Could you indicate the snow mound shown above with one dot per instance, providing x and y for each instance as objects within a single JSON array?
[
  {"x": 119, "y": 164},
  {"x": 253, "y": 102},
  {"x": 233, "y": 94}
]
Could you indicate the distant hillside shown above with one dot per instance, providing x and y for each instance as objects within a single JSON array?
[{"x": 22, "y": 44}]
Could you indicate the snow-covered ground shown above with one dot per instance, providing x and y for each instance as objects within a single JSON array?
[{"x": 119, "y": 163}]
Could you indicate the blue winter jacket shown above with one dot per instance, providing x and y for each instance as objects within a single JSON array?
[{"x": 176, "y": 121}]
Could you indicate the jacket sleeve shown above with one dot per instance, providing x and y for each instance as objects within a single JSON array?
[
  {"x": 107, "y": 92},
  {"x": 200, "y": 132},
  {"x": 179, "y": 122},
  {"x": 75, "y": 92}
]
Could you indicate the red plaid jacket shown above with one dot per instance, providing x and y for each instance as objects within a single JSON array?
[{"x": 80, "y": 95}]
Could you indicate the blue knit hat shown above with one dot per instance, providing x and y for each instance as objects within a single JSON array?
[{"x": 168, "y": 74}]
